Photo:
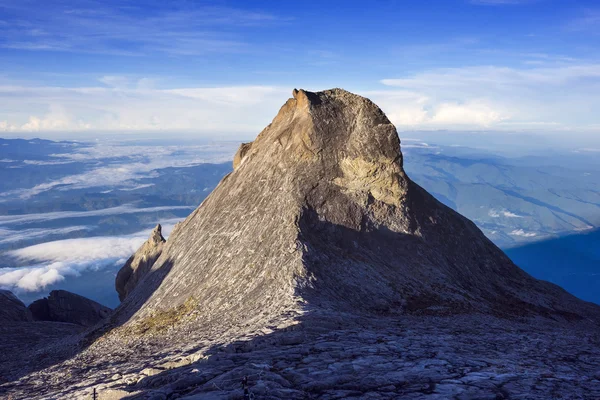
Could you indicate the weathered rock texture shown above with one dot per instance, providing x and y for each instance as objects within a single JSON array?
[
  {"x": 319, "y": 213},
  {"x": 321, "y": 271},
  {"x": 12, "y": 309},
  {"x": 140, "y": 263},
  {"x": 63, "y": 306}
]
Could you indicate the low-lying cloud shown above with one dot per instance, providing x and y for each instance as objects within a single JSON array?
[
  {"x": 503, "y": 213},
  {"x": 49, "y": 263},
  {"x": 134, "y": 163},
  {"x": 14, "y": 236},
  {"x": 49, "y": 216},
  {"x": 522, "y": 233}
]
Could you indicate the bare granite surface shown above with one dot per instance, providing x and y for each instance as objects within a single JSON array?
[{"x": 321, "y": 271}]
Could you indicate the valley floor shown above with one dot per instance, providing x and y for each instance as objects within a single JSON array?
[{"x": 339, "y": 357}]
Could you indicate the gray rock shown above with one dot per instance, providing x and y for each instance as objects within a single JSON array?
[
  {"x": 318, "y": 269},
  {"x": 63, "y": 306},
  {"x": 320, "y": 212},
  {"x": 12, "y": 309},
  {"x": 138, "y": 265}
]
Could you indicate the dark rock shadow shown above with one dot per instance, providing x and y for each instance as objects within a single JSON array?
[{"x": 52, "y": 343}]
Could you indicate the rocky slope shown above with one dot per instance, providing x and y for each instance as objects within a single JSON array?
[
  {"x": 319, "y": 269},
  {"x": 63, "y": 306},
  {"x": 140, "y": 263},
  {"x": 319, "y": 213},
  {"x": 12, "y": 309}
]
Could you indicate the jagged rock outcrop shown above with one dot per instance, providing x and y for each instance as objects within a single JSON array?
[
  {"x": 63, "y": 306},
  {"x": 319, "y": 214},
  {"x": 12, "y": 309},
  {"x": 240, "y": 155},
  {"x": 140, "y": 263}
]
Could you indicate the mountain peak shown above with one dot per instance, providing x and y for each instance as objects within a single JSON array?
[
  {"x": 347, "y": 135},
  {"x": 319, "y": 214}
]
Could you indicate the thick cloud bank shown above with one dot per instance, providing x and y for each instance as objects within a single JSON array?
[{"x": 51, "y": 262}]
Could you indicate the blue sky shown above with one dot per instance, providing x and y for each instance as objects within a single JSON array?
[{"x": 223, "y": 68}]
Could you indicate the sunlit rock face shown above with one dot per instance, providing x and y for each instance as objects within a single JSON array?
[
  {"x": 138, "y": 265},
  {"x": 319, "y": 214}
]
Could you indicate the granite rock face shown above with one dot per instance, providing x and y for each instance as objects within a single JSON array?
[
  {"x": 12, "y": 309},
  {"x": 63, "y": 306},
  {"x": 140, "y": 263},
  {"x": 318, "y": 269},
  {"x": 319, "y": 213}
]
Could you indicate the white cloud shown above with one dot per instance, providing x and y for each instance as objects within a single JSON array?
[
  {"x": 227, "y": 111},
  {"x": 51, "y": 262},
  {"x": 509, "y": 214},
  {"x": 14, "y": 236},
  {"x": 115, "y": 81},
  {"x": 496, "y": 214},
  {"x": 55, "y": 215},
  {"x": 556, "y": 96},
  {"x": 6, "y": 127},
  {"x": 522, "y": 233},
  {"x": 56, "y": 119},
  {"x": 46, "y": 162},
  {"x": 140, "y": 162},
  {"x": 472, "y": 113}
]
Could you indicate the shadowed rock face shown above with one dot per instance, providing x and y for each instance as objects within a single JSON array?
[
  {"x": 319, "y": 214},
  {"x": 140, "y": 263},
  {"x": 63, "y": 306},
  {"x": 12, "y": 309}
]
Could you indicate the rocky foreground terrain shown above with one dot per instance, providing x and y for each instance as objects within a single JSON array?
[
  {"x": 319, "y": 270},
  {"x": 339, "y": 357}
]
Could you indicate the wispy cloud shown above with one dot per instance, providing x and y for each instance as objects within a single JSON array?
[
  {"x": 134, "y": 105},
  {"x": 522, "y": 233},
  {"x": 182, "y": 28},
  {"x": 589, "y": 21},
  {"x": 121, "y": 167},
  {"x": 15, "y": 236},
  {"x": 505, "y": 213},
  {"x": 49, "y": 216}
]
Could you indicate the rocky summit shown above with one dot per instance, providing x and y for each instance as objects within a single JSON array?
[{"x": 319, "y": 270}]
